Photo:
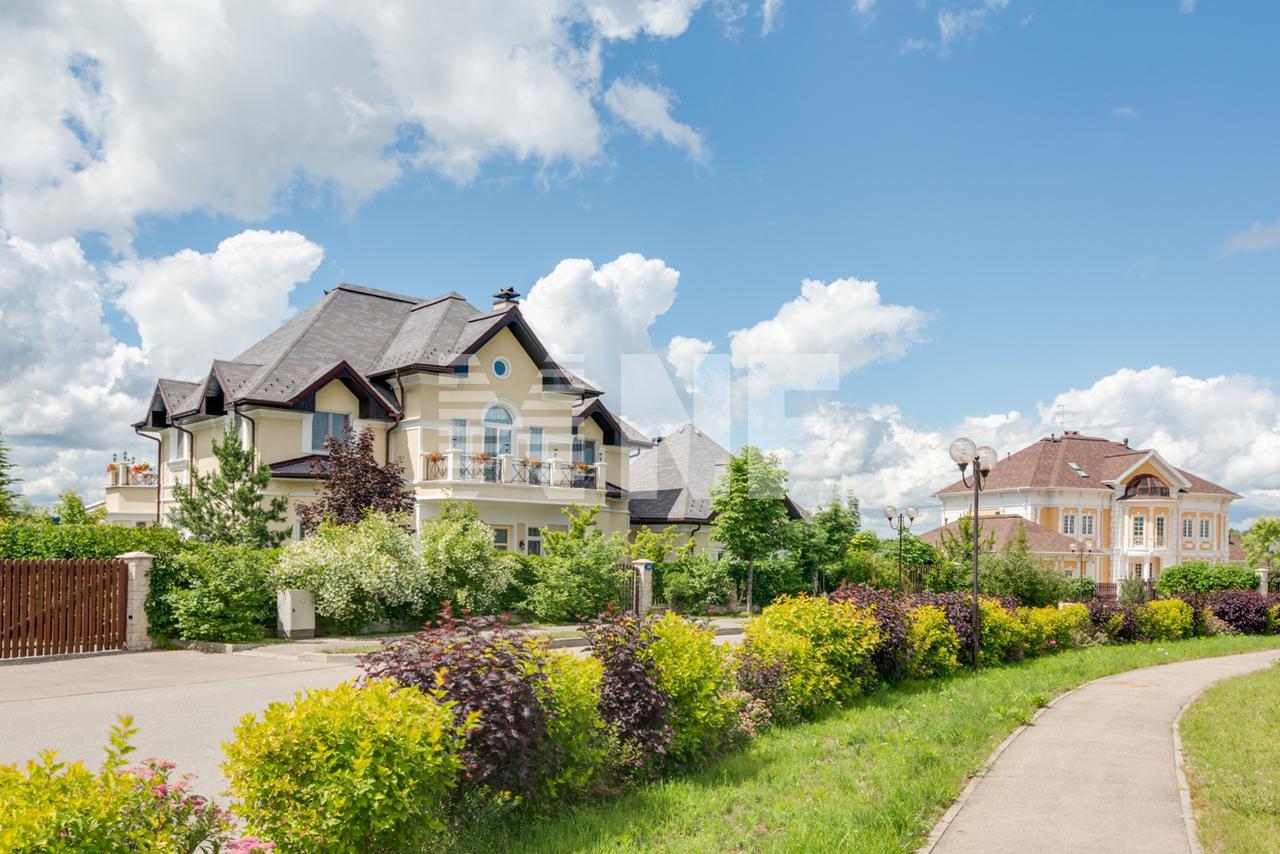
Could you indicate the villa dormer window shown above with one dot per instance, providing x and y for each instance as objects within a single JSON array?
[{"x": 1146, "y": 486}]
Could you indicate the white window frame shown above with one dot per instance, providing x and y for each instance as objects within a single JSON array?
[
  {"x": 1138, "y": 530},
  {"x": 506, "y": 368},
  {"x": 1137, "y": 569},
  {"x": 1069, "y": 523},
  {"x": 1161, "y": 531},
  {"x": 507, "y": 545},
  {"x": 1188, "y": 528},
  {"x": 1206, "y": 529},
  {"x": 1086, "y": 524},
  {"x": 328, "y": 416},
  {"x": 533, "y": 535},
  {"x": 458, "y": 434}
]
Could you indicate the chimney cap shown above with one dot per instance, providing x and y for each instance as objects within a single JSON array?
[{"x": 506, "y": 295}]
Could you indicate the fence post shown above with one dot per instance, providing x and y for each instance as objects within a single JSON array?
[
  {"x": 1264, "y": 580},
  {"x": 137, "y": 586},
  {"x": 644, "y": 589}
]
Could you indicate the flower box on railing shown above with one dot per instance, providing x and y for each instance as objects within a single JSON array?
[
  {"x": 436, "y": 466},
  {"x": 530, "y": 471}
]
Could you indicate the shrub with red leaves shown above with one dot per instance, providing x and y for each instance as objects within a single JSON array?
[
  {"x": 1243, "y": 610},
  {"x": 890, "y": 609},
  {"x": 631, "y": 703},
  {"x": 489, "y": 668},
  {"x": 1118, "y": 620}
]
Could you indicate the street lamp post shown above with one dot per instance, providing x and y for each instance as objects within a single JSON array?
[
  {"x": 963, "y": 452},
  {"x": 1082, "y": 551},
  {"x": 903, "y": 524}
]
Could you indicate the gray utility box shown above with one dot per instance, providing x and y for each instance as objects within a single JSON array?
[{"x": 295, "y": 614}]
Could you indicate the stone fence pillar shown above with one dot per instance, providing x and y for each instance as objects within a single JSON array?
[
  {"x": 137, "y": 631},
  {"x": 644, "y": 586},
  {"x": 1264, "y": 580}
]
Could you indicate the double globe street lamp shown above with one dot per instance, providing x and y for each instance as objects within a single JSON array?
[
  {"x": 983, "y": 458},
  {"x": 903, "y": 524}
]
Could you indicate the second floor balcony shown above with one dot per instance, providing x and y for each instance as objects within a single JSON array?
[
  {"x": 454, "y": 466},
  {"x": 130, "y": 472}
]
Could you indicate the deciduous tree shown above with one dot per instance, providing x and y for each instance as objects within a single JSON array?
[
  {"x": 749, "y": 502},
  {"x": 355, "y": 484},
  {"x": 1262, "y": 542}
]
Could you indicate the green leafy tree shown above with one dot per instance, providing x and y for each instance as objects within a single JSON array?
[
  {"x": 461, "y": 561},
  {"x": 226, "y": 506},
  {"x": 1262, "y": 542},
  {"x": 9, "y": 494},
  {"x": 355, "y": 484},
  {"x": 581, "y": 571},
  {"x": 659, "y": 548},
  {"x": 70, "y": 510},
  {"x": 957, "y": 546},
  {"x": 832, "y": 528},
  {"x": 749, "y": 502},
  {"x": 1015, "y": 571}
]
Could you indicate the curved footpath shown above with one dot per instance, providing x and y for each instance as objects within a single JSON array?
[{"x": 1095, "y": 771}]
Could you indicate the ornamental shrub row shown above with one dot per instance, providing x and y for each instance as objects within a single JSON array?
[{"x": 468, "y": 717}]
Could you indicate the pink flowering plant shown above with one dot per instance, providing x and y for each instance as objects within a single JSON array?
[{"x": 144, "y": 806}]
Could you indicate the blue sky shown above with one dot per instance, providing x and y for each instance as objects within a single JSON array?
[
  {"x": 1054, "y": 187},
  {"x": 1061, "y": 178}
]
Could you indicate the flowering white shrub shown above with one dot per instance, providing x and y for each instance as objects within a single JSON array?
[
  {"x": 464, "y": 567},
  {"x": 360, "y": 573}
]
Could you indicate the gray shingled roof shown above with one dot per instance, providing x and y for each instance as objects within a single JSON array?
[
  {"x": 373, "y": 333},
  {"x": 671, "y": 482}
]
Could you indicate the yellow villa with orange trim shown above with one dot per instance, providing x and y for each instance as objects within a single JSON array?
[
  {"x": 1103, "y": 509},
  {"x": 468, "y": 400}
]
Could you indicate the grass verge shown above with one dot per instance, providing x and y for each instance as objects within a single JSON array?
[
  {"x": 1233, "y": 763},
  {"x": 870, "y": 778}
]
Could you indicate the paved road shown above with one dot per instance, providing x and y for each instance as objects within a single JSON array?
[
  {"x": 184, "y": 703},
  {"x": 1096, "y": 771}
]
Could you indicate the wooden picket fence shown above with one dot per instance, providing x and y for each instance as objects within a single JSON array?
[{"x": 61, "y": 607}]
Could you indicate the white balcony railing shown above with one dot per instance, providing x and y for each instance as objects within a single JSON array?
[{"x": 454, "y": 466}]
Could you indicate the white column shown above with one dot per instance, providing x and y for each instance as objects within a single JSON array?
[
  {"x": 453, "y": 460},
  {"x": 138, "y": 585},
  {"x": 506, "y": 468}
]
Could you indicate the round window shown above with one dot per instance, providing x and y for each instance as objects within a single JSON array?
[{"x": 501, "y": 368}]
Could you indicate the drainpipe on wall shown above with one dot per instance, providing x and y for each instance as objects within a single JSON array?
[
  {"x": 396, "y": 417},
  {"x": 159, "y": 462}
]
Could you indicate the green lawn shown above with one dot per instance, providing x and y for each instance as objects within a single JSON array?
[
  {"x": 1233, "y": 763},
  {"x": 874, "y": 777}
]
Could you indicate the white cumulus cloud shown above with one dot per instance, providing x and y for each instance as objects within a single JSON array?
[
  {"x": 1223, "y": 428},
  {"x": 1253, "y": 239},
  {"x": 191, "y": 307},
  {"x": 648, "y": 111},
  {"x": 845, "y": 320},
  {"x": 115, "y": 109}
]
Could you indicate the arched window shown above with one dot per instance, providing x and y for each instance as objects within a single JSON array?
[
  {"x": 1146, "y": 486},
  {"x": 498, "y": 415}
]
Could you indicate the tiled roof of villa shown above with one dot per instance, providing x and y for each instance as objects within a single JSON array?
[
  {"x": 1072, "y": 461},
  {"x": 371, "y": 334},
  {"x": 1004, "y": 528}
]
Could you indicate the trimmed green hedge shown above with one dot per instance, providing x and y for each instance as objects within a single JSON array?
[{"x": 42, "y": 539}]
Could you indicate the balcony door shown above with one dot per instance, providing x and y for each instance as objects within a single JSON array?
[{"x": 498, "y": 424}]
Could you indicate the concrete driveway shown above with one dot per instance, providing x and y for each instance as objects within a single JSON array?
[{"x": 185, "y": 704}]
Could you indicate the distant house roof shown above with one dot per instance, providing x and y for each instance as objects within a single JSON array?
[
  {"x": 1073, "y": 461},
  {"x": 1235, "y": 550},
  {"x": 671, "y": 482},
  {"x": 361, "y": 336},
  {"x": 1004, "y": 528}
]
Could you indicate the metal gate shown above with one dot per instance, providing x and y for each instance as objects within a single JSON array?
[{"x": 59, "y": 607}]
